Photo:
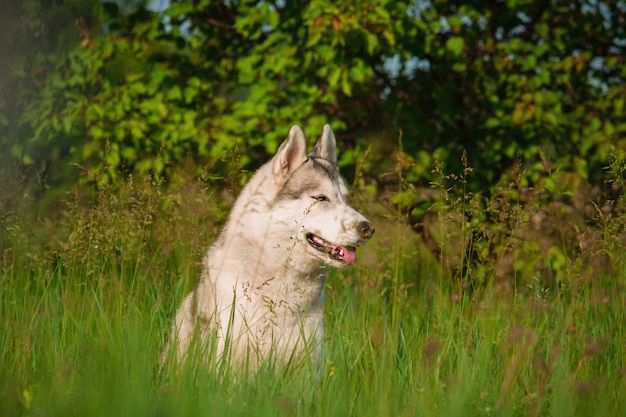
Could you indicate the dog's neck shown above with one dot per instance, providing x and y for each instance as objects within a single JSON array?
[{"x": 263, "y": 262}]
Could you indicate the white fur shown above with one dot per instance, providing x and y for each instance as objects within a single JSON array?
[{"x": 261, "y": 291}]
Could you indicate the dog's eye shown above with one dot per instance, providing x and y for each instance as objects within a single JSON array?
[{"x": 321, "y": 198}]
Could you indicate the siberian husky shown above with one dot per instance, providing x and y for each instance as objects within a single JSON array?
[{"x": 261, "y": 290}]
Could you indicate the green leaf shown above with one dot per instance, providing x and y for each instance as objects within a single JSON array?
[
  {"x": 455, "y": 45},
  {"x": 346, "y": 86},
  {"x": 174, "y": 93},
  {"x": 492, "y": 122},
  {"x": 371, "y": 42},
  {"x": 459, "y": 67},
  {"x": 333, "y": 79},
  {"x": 128, "y": 153}
]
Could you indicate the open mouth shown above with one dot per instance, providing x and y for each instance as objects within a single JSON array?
[{"x": 339, "y": 253}]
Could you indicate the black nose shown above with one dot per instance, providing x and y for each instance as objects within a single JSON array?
[{"x": 366, "y": 229}]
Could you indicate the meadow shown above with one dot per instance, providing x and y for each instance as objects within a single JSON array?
[{"x": 88, "y": 291}]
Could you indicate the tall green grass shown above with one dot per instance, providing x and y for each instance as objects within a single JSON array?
[{"x": 86, "y": 306}]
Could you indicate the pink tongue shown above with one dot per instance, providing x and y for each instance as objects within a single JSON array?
[{"x": 348, "y": 255}]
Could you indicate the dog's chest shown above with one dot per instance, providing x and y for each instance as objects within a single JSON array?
[{"x": 287, "y": 297}]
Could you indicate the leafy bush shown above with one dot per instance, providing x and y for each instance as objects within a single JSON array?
[{"x": 141, "y": 91}]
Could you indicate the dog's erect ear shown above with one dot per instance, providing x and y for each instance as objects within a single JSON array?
[
  {"x": 290, "y": 155},
  {"x": 326, "y": 147}
]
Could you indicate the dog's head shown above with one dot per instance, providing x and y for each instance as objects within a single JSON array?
[{"x": 312, "y": 201}]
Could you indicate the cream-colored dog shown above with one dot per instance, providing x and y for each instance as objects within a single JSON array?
[{"x": 261, "y": 291}]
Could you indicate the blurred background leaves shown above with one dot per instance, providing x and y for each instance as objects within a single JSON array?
[{"x": 136, "y": 87}]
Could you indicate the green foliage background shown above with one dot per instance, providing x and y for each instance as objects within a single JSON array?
[
  {"x": 119, "y": 90},
  {"x": 494, "y": 129},
  {"x": 510, "y": 114}
]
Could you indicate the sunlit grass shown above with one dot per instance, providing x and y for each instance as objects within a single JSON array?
[{"x": 83, "y": 323}]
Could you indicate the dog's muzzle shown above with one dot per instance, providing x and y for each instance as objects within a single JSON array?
[{"x": 341, "y": 253}]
